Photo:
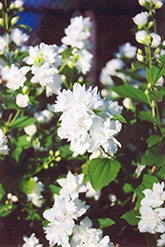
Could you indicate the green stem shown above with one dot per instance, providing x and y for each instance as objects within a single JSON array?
[{"x": 7, "y": 27}]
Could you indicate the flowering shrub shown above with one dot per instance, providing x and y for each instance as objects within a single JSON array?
[{"x": 81, "y": 166}]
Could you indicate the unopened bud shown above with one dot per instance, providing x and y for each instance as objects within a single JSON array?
[
  {"x": 157, "y": 51},
  {"x": 14, "y": 20},
  {"x": 140, "y": 52},
  {"x": 58, "y": 158},
  {"x": 1, "y": 22},
  {"x": 150, "y": 24},
  {"x": 140, "y": 58},
  {"x": 57, "y": 153},
  {"x": 14, "y": 198},
  {"x": 1, "y": 6},
  {"x": 11, "y": 6},
  {"x": 9, "y": 196},
  {"x": 149, "y": 40},
  {"x": 51, "y": 153},
  {"x": 25, "y": 90},
  {"x": 146, "y": 92},
  {"x": 149, "y": 85}
]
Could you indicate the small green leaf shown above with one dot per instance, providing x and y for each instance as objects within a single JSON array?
[
  {"x": 6, "y": 209},
  {"x": 27, "y": 186},
  {"x": 23, "y": 122},
  {"x": 22, "y": 142},
  {"x": 54, "y": 189},
  {"x": 161, "y": 173},
  {"x": 102, "y": 171},
  {"x": 105, "y": 222},
  {"x": 16, "y": 153},
  {"x": 2, "y": 192},
  {"x": 153, "y": 140},
  {"x": 127, "y": 188},
  {"x": 10, "y": 104},
  {"x": 154, "y": 156},
  {"x": 120, "y": 118},
  {"x": 131, "y": 217},
  {"x": 148, "y": 117},
  {"x": 130, "y": 92}
]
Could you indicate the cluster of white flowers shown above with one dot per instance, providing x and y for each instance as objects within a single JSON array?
[
  {"x": 3, "y": 141},
  {"x": 66, "y": 210},
  {"x": 32, "y": 241},
  {"x": 35, "y": 197},
  {"x": 152, "y": 214},
  {"x": 45, "y": 60},
  {"x": 77, "y": 34},
  {"x": 87, "y": 121}
]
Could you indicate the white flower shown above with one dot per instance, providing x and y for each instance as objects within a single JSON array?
[
  {"x": 18, "y": 3},
  {"x": 156, "y": 40},
  {"x": 22, "y": 100},
  {"x": 32, "y": 241},
  {"x": 141, "y": 37},
  {"x": 61, "y": 217},
  {"x": 14, "y": 76},
  {"x": 30, "y": 129},
  {"x": 18, "y": 37},
  {"x": 151, "y": 219},
  {"x": 154, "y": 197},
  {"x": 126, "y": 50},
  {"x": 141, "y": 18},
  {"x": 85, "y": 115},
  {"x": 86, "y": 236},
  {"x": 127, "y": 102},
  {"x": 3, "y": 141},
  {"x": 35, "y": 197},
  {"x": 72, "y": 185},
  {"x": 91, "y": 192},
  {"x": 161, "y": 241},
  {"x": 43, "y": 53},
  {"x": 84, "y": 62},
  {"x": 47, "y": 77},
  {"x": 77, "y": 33}
]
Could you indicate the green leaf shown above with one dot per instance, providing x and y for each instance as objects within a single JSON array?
[
  {"x": 23, "y": 122},
  {"x": 153, "y": 140},
  {"x": 120, "y": 118},
  {"x": 127, "y": 188},
  {"x": 16, "y": 153},
  {"x": 131, "y": 217},
  {"x": 65, "y": 151},
  {"x": 157, "y": 71},
  {"x": 159, "y": 92},
  {"x": 148, "y": 117},
  {"x": 10, "y": 104},
  {"x": 2, "y": 192},
  {"x": 105, "y": 222},
  {"x": 22, "y": 141},
  {"x": 6, "y": 209},
  {"x": 136, "y": 65},
  {"x": 161, "y": 173},
  {"x": 27, "y": 186},
  {"x": 130, "y": 92},
  {"x": 154, "y": 156},
  {"x": 54, "y": 189},
  {"x": 102, "y": 171}
]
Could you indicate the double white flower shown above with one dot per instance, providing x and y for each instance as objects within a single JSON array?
[
  {"x": 152, "y": 214},
  {"x": 3, "y": 141},
  {"x": 87, "y": 121}
]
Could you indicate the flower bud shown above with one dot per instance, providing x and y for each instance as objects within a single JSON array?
[
  {"x": 141, "y": 37},
  {"x": 11, "y": 6},
  {"x": 25, "y": 89},
  {"x": 9, "y": 196},
  {"x": 140, "y": 52},
  {"x": 158, "y": 4},
  {"x": 1, "y": 6},
  {"x": 156, "y": 40},
  {"x": 157, "y": 51},
  {"x": 14, "y": 20},
  {"x": 30, "y": 129},
  {"x": 142, "y": 2},
  {"x": 127, "y": 102},
  {"x": 1, "y": 22},
  {"x": 14, "y": 198},
  {"x": 57, "y": 153},
  {"x": 22, "y": 100},
  {"x": 141, "y": 19},
  {"x": 150, "y": 24},
  {"x": 51, "y": 153},
  {"x": 140, "y": 58}
]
